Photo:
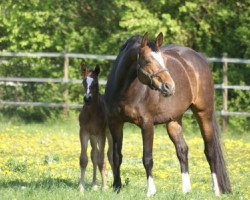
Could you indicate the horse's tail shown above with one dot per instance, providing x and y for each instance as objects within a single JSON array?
[{"x": 220, "y": 165}]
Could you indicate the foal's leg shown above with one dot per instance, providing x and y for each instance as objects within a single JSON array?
[
  {"x": 101, "y": 163},
  {"x": 94, "y": 159},
  {"x": 84, "y": 137},
  {"x": 148, "y": 137},
  {"x": 116, "y": 130},
  {"x": 175, "y": 133}
]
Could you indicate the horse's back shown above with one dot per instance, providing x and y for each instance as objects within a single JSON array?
[{"x": 191, "y": 57}]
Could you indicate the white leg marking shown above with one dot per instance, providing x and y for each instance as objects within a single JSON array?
[
  {"x": 186, "y": 185},
  {"x": 89, "y": 82},
  {"x": 82, "y": 184},
  {"x": 158, "y": 57},
  {"x": 215, "y": 185},
  {"x": 151, "y": 187}
]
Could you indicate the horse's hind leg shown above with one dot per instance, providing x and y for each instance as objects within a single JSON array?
[
  {"x": 174, "y": 129},
  {"x": 213, "y": 152},
  {"x": 116, "y": 130},
  {"x": 110, "y": 151},
  {"x": 84, "y": 137}
]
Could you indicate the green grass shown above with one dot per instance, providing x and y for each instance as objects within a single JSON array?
[{"x": 40, "y": 161}]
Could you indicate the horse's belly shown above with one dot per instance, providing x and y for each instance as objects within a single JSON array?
[{"x": 155, "y": 113}]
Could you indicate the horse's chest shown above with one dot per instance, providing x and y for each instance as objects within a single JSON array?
[
  {"x": 93, "y": 122},
  {"x": 130, "y": 113}
]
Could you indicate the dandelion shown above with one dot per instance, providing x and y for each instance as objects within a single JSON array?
[{"x": 33, "y": 157}]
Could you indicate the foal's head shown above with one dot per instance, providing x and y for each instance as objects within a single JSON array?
[
  {"x": 152, "y": 70},
  {"x": 90, "y": 83}
]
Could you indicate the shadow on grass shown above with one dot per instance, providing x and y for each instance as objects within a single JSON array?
[{"x": 47, "y": 183}]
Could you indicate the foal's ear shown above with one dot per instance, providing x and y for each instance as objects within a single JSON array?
[
  {"x": 159, "y": 40},
  {"x": 97, "y": 70},
  {"x": 83, "y": 70},
  {"x": 144, "y": 40}
]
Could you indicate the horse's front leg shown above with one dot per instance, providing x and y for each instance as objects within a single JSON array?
[
  {"x": 116, "y": 130},
  {"x": 84, "y": 137},
  {"x": 148, "y": 137}
]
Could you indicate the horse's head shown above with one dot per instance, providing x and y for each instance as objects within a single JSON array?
[
  {"x": 152, "y": 70},
  {"x": 90, "y": 83}
]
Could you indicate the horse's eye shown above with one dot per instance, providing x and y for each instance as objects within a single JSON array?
[{"x": 146, "y": 62}]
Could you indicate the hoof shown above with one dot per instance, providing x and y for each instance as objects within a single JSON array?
[
  {"x": 104, "y": 188},
  {"x": 81, "y": 189},
  {"x": 151, "y": 193},
  {"x": 186, "y": 190},
  {"x": 117, "y": 189},
  {"x": 95, "y": 187}
]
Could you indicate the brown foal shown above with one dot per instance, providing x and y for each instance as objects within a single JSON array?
[{"x": 93, "y": 127}]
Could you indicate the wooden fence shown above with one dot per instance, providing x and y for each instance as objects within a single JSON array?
[{"x": 65, "y": 79}]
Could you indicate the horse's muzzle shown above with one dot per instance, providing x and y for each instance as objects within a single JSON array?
[
  {"x": 87, "y": 99},
  {"x": 167, "y": 89}
]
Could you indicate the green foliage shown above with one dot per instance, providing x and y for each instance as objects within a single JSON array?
[{"x": 101, "y": 27}]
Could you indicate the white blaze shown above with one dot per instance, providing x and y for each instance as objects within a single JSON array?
[
  {"x": 158, "y": 57},
  {"x": 186, "y": 185},
  {"x": 151, "y": 187},
  {"x": 216, "y": 185},
  {"x": 89, "y": 81}
]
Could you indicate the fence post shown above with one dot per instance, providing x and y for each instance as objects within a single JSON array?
[
  {"x": 65, "y": 79},
  {"x": 225, "y": 94}
]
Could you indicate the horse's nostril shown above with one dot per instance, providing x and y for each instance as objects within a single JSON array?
[
  {"x": 170, "y": 88},
  {"x": 87, "y": 99},
  {"x": 166, "y": 86}
]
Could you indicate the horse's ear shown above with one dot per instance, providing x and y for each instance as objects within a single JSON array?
[
  {"x": 144, "y": 40},
  {"x": 159, "y": 40},
  {"x": 97, "y": 70},
  {"x": 83, "y": 70}
]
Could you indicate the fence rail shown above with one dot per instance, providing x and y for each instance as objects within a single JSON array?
[
  {"x": 104, "y": 57},
  {"x": 14, "y": 80},
  {"x": 58, "y": 55},
  {"x": 65, "y": 80}
]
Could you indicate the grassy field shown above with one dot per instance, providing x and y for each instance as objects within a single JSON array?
[{"x": 40, "y": 161}]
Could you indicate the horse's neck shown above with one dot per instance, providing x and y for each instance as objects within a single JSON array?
[
  {"x": 94, "y": 105},
  {"x": 122, "y": 76},
  {"x": 95, "y": 100}
]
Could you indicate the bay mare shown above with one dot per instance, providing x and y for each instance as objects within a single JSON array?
[
  {"x": 153, "y": 84},
  {"x": 93, "y": 127}
]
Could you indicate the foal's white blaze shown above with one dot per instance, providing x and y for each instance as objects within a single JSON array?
[
  {"x": 89, "y": 82},
  {"x": 215, "y": 185},
  {"x": 151, "y": 187},
  {"x": 158, "y": 57},
  {"x": 186, "y": 185}
]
